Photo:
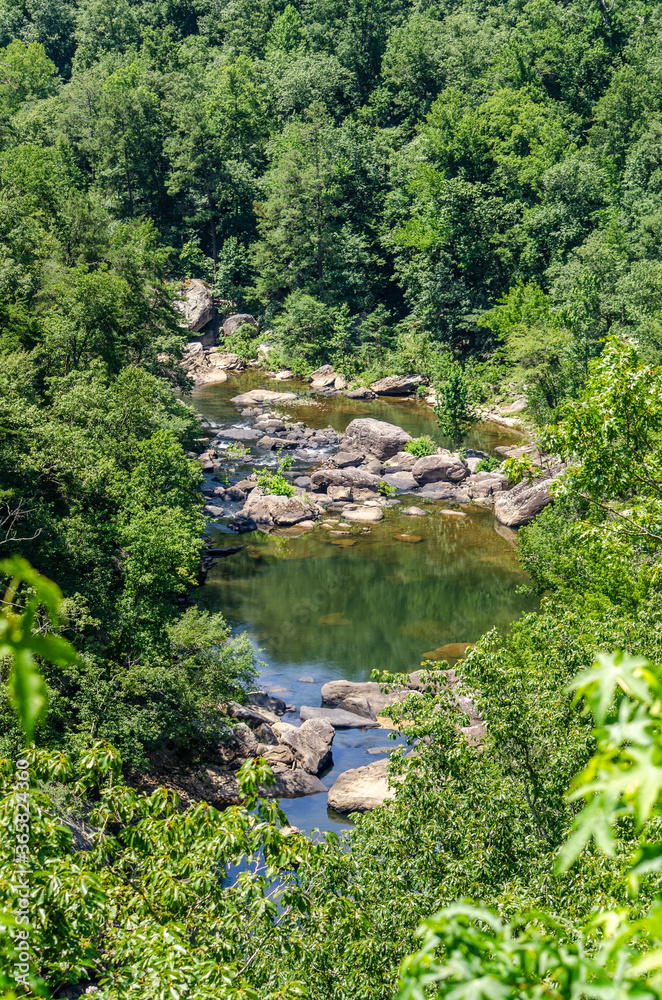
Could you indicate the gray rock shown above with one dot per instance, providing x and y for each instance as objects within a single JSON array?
[
  {"x": 277, "y": 510},
  {"x": 257, "y": 396},
  {"x": 439, "y": 469},
  {"x": 362, "y": 515},
  {"x": 396, "y": 385},
  {"x": 349, "y": 695},
  {"x": 310, "y": 743},
  {"x": 345, "y": 458},
  {"x": 520, "y": 505},
  {"x": 226, "y": 360},
  {"x": 402, "y": 462},
  {"x": 268, "y": 443},
  {"x": 237, "y": 434},
  {"x": 485, "y": 484},
  {"x": 415, "y": 512},
  {"x": 350, "y": 477},
  {"x": 195, "y": 304},
  {"x": 211, "y": 510},
  {"x": 401, "y": 480},
  {"x": 361, "y": 789},
  {"x": 303, "y": 481},
  {"x": 294, "y": 784},
  {"x": 338, "y": 718},
  {"x": 260, "y": 699},
  {"x": 379, "y": 438},
  {"x": 325, "y": 371},
  {"x": 232, "y": 323},
  {"x": 361, "y": 393}
]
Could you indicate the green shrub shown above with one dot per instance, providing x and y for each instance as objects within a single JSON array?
[
  {"x": 420, "y": 447},
  {"x": 274, "y": 483},
  {"x": 243, "y": 341},
  {"x": 386, "y": 489},
  {"x": 488, "y": 464}
]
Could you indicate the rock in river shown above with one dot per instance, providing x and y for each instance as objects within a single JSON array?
[
  {"x": 310, "y": 743},
  {"x": 276, "y": 510},
  {"x": 338, "y": 718},
  {"x": 377, "y": 437},
  {"x": 363, "y": 515},
  {"x": 363, "y": 697},
  {"x": 521, "y": 504},
  {"x": 396, "y": 385},
  {"x": 439, "y": 469},
  {"x": 352, "y": 478},
  {"x": 257, "y": 396},
  {"x": 361, "y": 789}
]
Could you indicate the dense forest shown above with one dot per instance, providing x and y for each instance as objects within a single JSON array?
[{"x": 393, "y": 187}]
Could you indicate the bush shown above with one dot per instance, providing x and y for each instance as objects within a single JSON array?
[
  {"x": 274, "y": 483},
  {"x": 244, "y": 342},
  {"x": 420, "y": 447},
  {"x": 488, "y": 464}
]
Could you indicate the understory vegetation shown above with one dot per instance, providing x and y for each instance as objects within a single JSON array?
[{"x": 470, "y": 192}]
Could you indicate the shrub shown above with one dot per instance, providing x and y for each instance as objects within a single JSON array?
[
  {"x": 422, "y": 446},
  {"x": 274, "y": 483},
  {"x": 488, "y": 464}
]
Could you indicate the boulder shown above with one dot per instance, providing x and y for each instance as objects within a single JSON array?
[
  {"x": 396, "y": 385},
  {"x": 274, "y": 444},
  {"x": 262, "y": 700},
  {"x": 211, "y": 510},
  {"x": 195, "y": 304},
  {"x": 338, "y": 718},
  {"x": 226, "y": 360},
  {"x": 400, "y": 480},
  {"x": 345, "y": 458},
  {"x": 520, "y": 505},
  {"x": 415, "y": 512},
  {"x": 237, "y": 434},
  {"x": 439, "y": 469},
  {"x": 326, "y": 371},
  {"x": 294, "y": 784},
  {"x": 486, "y": 484},
  {"x": 283, "y": 376},
  {"x": 233, "y": 323},
  {"x": 361, "y": 789},
  {"x": 348, "y": 477},
  {"x": 402, "y": 462},
  {"x": 379, "y": 438},
  {"x": 363, "y": 515},
  {"x": 277, "y": 510},
  {"x": 351, "y": 695},
  {"x": 310, "y": 744},
  {"x": 361, "y": 393},
  {"x": 340, "y": 382},
  {"x": 252, "y": 715},
  {"x": 258, "y": 396},
  {"x": 209, "y": 376}
]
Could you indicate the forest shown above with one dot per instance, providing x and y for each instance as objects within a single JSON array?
[{"x": 392, "y": 187}]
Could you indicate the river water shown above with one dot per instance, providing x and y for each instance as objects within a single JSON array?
[{"x": 319, "y": 606}]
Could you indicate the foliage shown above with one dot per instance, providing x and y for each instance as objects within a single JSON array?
[
  {"x": 422, "y": 446},
  {"x": 488, "y": 464},
  {"x": 272, "y": 482},
  {"x": 454, "y": 408},
  {"x": 386, "y": 489}
]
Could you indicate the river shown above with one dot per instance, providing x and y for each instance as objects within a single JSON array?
[{"x": 319, "y": 606}]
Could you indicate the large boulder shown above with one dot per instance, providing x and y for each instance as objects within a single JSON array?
[
  {"x": 226, "y": 360},
  {"x": 351, "y": 477},
  {"x": 338, "y": 718},
  {"x": 486, "y": 484},
  {"x": 403, "y": 481},
  {"x": 233, "y": 323},
  {"x": 439, "y": 469},
  {"x": 361, "y": 789},
  {"x": 361, "y": 393},
  {"x": 361, "y": 697},
  {"x": 195, "y": 304},
  {"x": 277, "y": 510},
  {"x": 396, "y": 385},
  {"x": 377, "y": 437},
  {"x": 310, "y": 743},
  {"x": 520, "y": 505},
  {"x": 258, "y": 396}
]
